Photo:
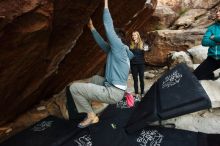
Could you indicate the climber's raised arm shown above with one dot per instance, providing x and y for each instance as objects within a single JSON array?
[
  {"x": 113, "y": 39},
  {"x": 99, "y": 40}
]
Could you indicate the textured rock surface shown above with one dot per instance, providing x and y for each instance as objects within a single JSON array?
[
  {"x": 188, "y": 18},
  {"x": 179, "y": 5},
  {"x": 212, "y": 89},
  {"x": 165, "y": 41},
  {"x": 24, "y": 37},
  {"x": 191, "y": 57},
  {"x": 203, "y": 21},
  {"x": 45, "y": 45},
  {"x": 170, "y": 16},
  {"x": 142, "y": 20},
  {"x": 203, "y": 121},
  {"x": 180, "y": 57},
  {"x": 168, "y": 11},
  {"x": 199, "y": 53},
  {"x": 165, "y": 16}
]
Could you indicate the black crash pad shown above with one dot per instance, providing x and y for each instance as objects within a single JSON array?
[
  {"x": 82, "y": 138},
  {"x": 118, "y": 114},
  {"x": 159, "y": 136},
  {"x": 110, "y": 130},
  {"x": 50, "y": 131},
  {"x": 176, "y": 93},
  {"x": 152, "y": 136},
  {"x": 58, "y": 132},
  {"x": 53, "y": 131}
]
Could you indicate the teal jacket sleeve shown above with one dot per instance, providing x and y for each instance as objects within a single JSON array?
[
  {"x": 217, "y": 38},
  {"x": 99, "y": 40},
  {"x": 206, "y": 41}
]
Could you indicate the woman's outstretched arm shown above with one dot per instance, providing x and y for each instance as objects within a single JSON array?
[{"x": 99, "y": 40}]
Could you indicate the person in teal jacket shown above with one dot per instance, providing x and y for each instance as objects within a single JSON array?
[
  {"x": 211, "y": 39},
  {"x": 109, "y": 89}
]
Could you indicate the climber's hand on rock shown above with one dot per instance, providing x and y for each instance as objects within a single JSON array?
[
  {"x": 90, "y": 24},
  {"x": 106, "y": 3}
]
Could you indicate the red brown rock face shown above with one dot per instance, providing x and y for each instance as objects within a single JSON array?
[
  {"x": 24, "y": 37},
  {"x": 166, "y": 41},
  {"x": 45, "y": 45},
  {"x": 143, "y": 20}
]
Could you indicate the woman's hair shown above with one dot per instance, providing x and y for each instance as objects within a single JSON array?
[
  {"x": 140, "y": 42},
  {"x": 217, "y": 9},
  {"x": 213, "y": 12}
]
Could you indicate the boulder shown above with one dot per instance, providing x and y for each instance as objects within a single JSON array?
[
  {"x": 165, "y": 15},
  {"x": 201, "y": 4},
  {"x": 212, "y": 89},
  {"x": 180, "y": 57},
  {"x": 188, "y": 18},
  {"x": 202, "y": 21},
  {"x": 198, "y": 53},
  {"x": 24, "y": 35},
  {"x": 140, "y": 21},
  {"x": 192, "y": 57},
  {"x": 165, "y": 41},
  {"x": 206, "y": 121},
  {"x": 181, "y": 5},
  {"x": 45, "y": 45}
]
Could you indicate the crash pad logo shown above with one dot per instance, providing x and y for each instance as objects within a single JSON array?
[
  {"x": 172, "y": 80},
  {"x": 84, "y": 141},
  {"x": 150, "y": 138},
  {"x": 42, "y": 126}
]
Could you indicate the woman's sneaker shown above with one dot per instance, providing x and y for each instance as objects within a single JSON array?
[{"x": 137, "y": 97}]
